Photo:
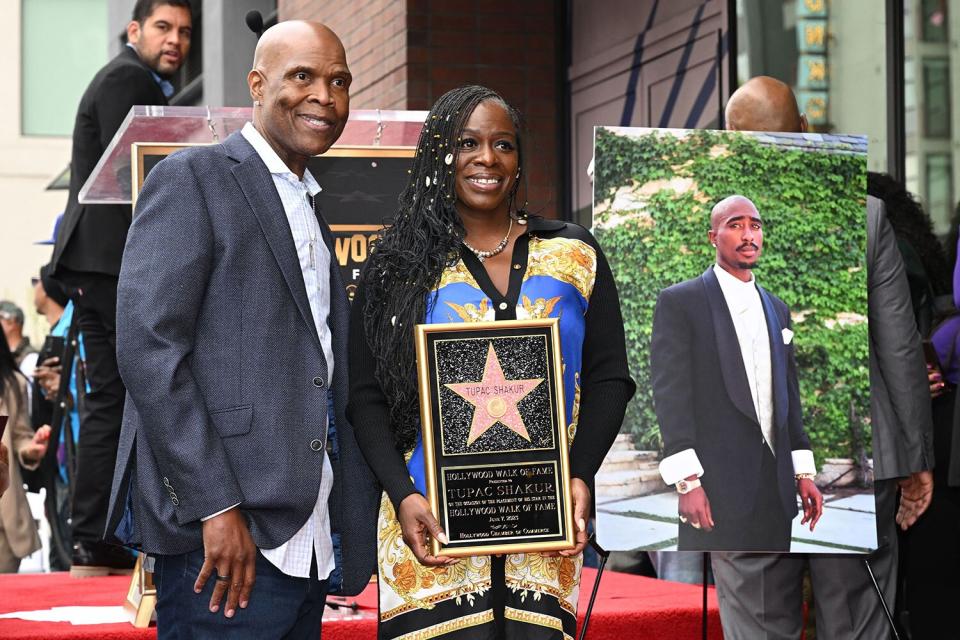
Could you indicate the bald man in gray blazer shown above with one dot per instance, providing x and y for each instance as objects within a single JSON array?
[{"x": 238, "y": 470}]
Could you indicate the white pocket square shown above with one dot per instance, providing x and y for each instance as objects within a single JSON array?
[{"x": 787, "y": 336}]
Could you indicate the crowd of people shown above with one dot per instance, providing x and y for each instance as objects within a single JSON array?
[
  {"x": 208, "y": 395},
  {"x": 79, "y": 389}
]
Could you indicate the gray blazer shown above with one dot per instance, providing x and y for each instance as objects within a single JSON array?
[
  {"x": 899, "y": 392},
  {"x": 228, "y": 391}
]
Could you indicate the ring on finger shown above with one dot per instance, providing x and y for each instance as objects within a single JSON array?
[{"x": 225, "y": 578}]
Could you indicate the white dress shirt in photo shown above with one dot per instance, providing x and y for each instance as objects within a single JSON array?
[
  {"x": 295, "y": 555},
  {"x": 750, "y": 323}
]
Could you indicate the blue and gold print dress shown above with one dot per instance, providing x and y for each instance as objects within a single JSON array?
[{"x": 557, "y": 271}]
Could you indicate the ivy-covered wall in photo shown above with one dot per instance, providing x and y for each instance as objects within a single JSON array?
[{"x": 653, "y": 192}]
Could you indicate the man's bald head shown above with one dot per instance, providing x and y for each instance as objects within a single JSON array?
[
  {"x": 730, "y": 204},
  {"x": 283, "y": 36},
  {"x": 736, "y": 231},
  {"x": 764, "y": 104},
  {"x": 300, "y": 85}
]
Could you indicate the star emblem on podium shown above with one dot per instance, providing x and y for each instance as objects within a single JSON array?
[{"x": 494, "y": 399}]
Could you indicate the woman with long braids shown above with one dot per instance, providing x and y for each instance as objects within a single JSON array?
[{"x": 461, "y": 250}]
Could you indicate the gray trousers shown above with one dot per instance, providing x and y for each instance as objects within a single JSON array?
[{"x": 760, "y": 594}]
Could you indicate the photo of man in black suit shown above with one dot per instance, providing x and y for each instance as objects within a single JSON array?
[
  {"x": 727, "y": 399},
  {"x": 86, "y": 257}
]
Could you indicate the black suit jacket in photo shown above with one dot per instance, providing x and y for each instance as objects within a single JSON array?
[
  {"x": 91, "y": 237},
  {"x": 702, "y": 397}
]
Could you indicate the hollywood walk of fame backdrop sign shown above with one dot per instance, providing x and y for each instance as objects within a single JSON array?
[
  {"x": 495, "y": 436},
  {"x": 360, "y": 185}
]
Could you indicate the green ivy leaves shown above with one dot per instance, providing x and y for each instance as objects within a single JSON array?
[{"x": 813, "y": 206}]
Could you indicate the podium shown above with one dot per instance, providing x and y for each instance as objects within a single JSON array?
[
  {"x": 110, "y": 181},
  {"x": 361, "y": 177}
]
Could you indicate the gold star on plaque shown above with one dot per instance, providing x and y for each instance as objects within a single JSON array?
[{"x": 495, "y": 399}]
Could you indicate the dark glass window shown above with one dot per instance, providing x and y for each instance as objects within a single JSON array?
[
  {"x": 933, "y": 16},
  {"x": 936, "y": 97},
  {"x": 938, "y": 200}
]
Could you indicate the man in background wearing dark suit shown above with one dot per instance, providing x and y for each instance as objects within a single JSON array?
[
  {"x": 86, "y": 257},
  {"x": 727, "y": 399},
  {"x": 236, "y": 461},
  {"x": 760, "y": 595}
]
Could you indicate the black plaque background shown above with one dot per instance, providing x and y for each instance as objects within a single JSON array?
[
  {"x": 359, "y": 195},
  {"x": 521, "y": 357},
  {"x": 530, "y": 516},
  {"x": 359, "y": 189},
  {"x": 486, "y": 459}
]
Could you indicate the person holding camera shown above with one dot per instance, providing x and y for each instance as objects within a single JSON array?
[{"x": 59, "y": 409}]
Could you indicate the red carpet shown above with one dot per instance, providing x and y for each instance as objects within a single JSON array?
[{"x": 627, "y": 607}]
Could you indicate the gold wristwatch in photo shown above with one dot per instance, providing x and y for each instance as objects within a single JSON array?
[{"x": 686, "y": 486}]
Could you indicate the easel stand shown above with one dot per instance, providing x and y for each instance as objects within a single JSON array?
[
  {"x": 883, "y": 602},
  {"x": 703, "y": 612},
  {"x": 604, "y": 554}
]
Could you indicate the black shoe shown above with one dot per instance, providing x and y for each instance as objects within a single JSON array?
[{"x": 91, "y": 559}]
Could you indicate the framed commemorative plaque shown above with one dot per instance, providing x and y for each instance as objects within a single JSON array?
[{"x": 495, "y": 436}]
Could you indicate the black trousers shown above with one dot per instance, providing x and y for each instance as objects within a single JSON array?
[
  {"x": 766, "y": 528},
  {"x": 102, "y": 411},
  {"x": 931, "y": 547}
]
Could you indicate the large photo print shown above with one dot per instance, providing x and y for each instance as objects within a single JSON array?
[{"x": 740, "y": 261}]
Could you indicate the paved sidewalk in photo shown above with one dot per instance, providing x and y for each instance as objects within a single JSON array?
[{"x": 847, "y": 525}]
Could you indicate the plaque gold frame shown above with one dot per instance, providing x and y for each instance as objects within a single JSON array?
[{"x": 429, "y": 390}]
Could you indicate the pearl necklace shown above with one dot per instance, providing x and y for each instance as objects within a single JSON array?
[{"x": 483, "y": 255}]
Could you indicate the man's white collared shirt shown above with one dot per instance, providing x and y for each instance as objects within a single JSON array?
[
  {"x": 749, "y": 321},
  {"x": 294, "y": 556}
]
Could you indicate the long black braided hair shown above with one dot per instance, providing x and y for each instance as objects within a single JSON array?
[
  {"x": 407, "y": 261},
  {"x": 909, "y": 221}
]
